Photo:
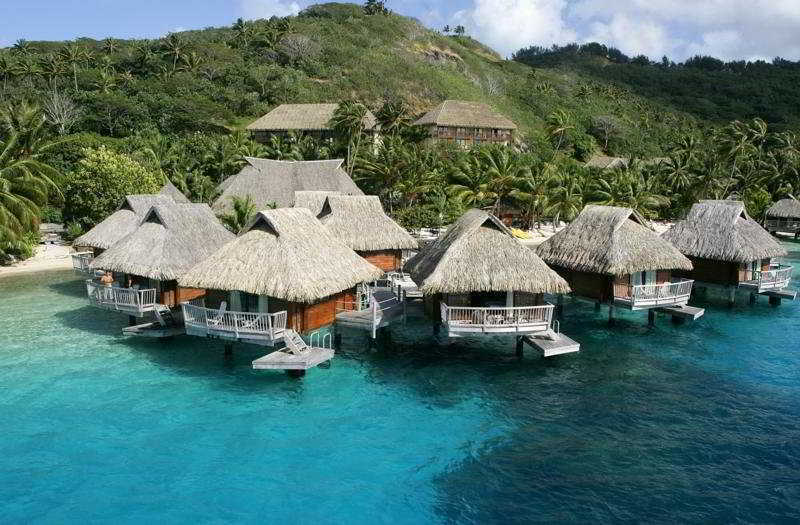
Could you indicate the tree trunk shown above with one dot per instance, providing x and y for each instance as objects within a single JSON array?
[{"x": 75, "y": 75}]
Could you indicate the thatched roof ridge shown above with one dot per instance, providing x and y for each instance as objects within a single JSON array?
[
  {"x": 170, "y": 190},
  {"x": 462, "y": 113},
  {"x": 169, "y": 240},
  {"x": 302, "y": 117},
  {"x": 604, "y": 162},
  {"x": 120, "y": 223},
  {"x": 479, "y": 254},
  {"x": 612, "y": 241},
  {"x": 287, "y": 254},
  {"x": 312, "y": 200},
  {"x": 722, "y": 231},
  {"x": 276, "y": 181},
  {"x": 785, "y": 209},
  {"x": 360, "y": 222}
]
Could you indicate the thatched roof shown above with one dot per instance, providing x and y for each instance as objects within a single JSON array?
[
  {"x": 170, "y": 239},
  {"x": 122, "y": 222},
  {"x": 479, "y": 254},
  {"x": 287, "y": 254},
  {"x": 359, "y": 222},
  {"x": 722, "y": 231},
  {"x": 302, "y": 117},
  {"x": 276, "y": 181},
  {"x": 461, "y": 113},
  {"x": 312, "y": 200},
  {"x": 785, "y": 209},
  {"x": 612, "y": 241},
  {"x": 604, "y": 163},
  {"x": 170, "y": 190}
]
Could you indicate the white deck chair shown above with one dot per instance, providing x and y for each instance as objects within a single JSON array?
[{"x": 216, "y": 320}]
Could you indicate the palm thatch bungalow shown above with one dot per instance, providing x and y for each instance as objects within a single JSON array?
[
  {"x": 311, "y": 120},
  {"x": 728, "y": 249},
  {"x": 610, "y": 255},
  {"x": 274, "y": 182},
  {"x": 284, "y": 272},
  {"x": 467, "y": 123},
  {"x": 146, "y": 264},
  {"x": 174, "y": 193},
  {"x": 361, "y": 224},
  {"x": 478, "y": 279},
  {"x": 784, "y": 216}
]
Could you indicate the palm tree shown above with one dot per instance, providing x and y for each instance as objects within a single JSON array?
[
  {"x": 110, "y": 46},
  {"x": 22, "y": 47},
  {"x": 243, "y": 210},
  {"x": 505, "y": 169},
  {"x": 348, "y": 122},
  {"x": 191, "y": 62},
  {"x": 393, "y": 116},
  {"x": 566, "y": 199},
  {"x": 74, "y": 54},
  {"x": 107, "y": 81},
  {"x": 8, "y": 69},
  {"x": 52, "y": 67},
  {"x": 174, "y": 46},
  {"x": 558, "y": 125},
  {"x": 27, "y": 69}
]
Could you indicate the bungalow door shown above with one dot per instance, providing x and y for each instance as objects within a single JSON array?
[{"x": 644, "y": 278}]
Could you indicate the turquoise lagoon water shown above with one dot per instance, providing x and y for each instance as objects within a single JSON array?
[{"x": 691, "y": 423}]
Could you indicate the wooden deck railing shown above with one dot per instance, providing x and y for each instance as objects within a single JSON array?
[
  {"x": 652, "y": 295},
  {"x": 248, "y": 325},
  {"x": 81, "y": 261},
  {"x": 782, "y": 225},
  {"x": 510, "y": 319},
  {"x": 130, "y": 300},
  {"x": 776, "y": 278}
]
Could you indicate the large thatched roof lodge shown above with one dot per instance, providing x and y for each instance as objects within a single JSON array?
[
  {"x": 467, "y": 123},
  {"x": 286, "y": 271},
  {"x": 478, "y": 278},
  {"x": 729, "y": 249},
  {"x": 360, "y": 223},
  {"x": 276, "y": 182},
  {"x": 784, "y": 216},
  {"x": 146, "y": 264},
  {"x": 312, "y": 120},
  {"x": 610, "y": 255}
]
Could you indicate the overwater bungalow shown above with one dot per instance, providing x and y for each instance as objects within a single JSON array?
[
  {"x": 285, "y": 272},
  {"x": 312, "y": 200},
  {"x": 784, "y": 216},
  {"x": 273, "y": 183},
  {"x": 143, "y": 268},
  {"x": 478, "y": 279},
  {"x": 610, "y": 255},
  {"x": 729, "y": 250},
  {"x": 361, "y": 224}
]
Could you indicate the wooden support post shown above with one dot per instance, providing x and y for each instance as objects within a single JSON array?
[
  {"x": 296, "y": 374},
  {"x": 651, "y": 317},
  {"x": 611, "y": 320},
  {"x": 228, "y": 348},
  {"x": 560, "y": 306},
  {"x": 520, "y": 347},
  {"x": 436, "y": 328},
  {"x": 132, "y": 320},
  {"x": 337, "y": 339},
  {"x": 752, "y": 298},
  {"x": 677, "y": 319},
  {"x": 597, "y": 306},
  {"x": 731, "y": 296},
  {"x": 774, "y": 301}
]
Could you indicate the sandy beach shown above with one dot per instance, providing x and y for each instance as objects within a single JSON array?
[{"x": 47, "y": 257}]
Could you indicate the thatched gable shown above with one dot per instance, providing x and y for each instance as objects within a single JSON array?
[
  {"x": 722, "y": 231},
  {"x": 276, "y": 181},
  {"x": 312, "y": 200},
  {"x": 170, "y": 190},
  {"x": 479, "y": 254},
  {"x": 464, "y": 114},
  {"x": 360, "y": 222},
  {"x": 785, "y": 209},
  {"x": 612, "y": 241},
  {"x": 287, "y": 254},
  {"x": 303, "y": 117},
  {"x": 606, "y": 163},
  {"x": 169, "y": 240},
  {"x": 122, "y": 222}
]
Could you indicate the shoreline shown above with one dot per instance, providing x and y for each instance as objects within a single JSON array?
[{"x": 47, "y": 257}]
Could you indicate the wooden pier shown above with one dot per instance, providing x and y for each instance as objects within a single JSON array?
[
  {"x": 552, "y": 344},
  {"x": 684, "y": 312},
  {"x": 283, "y": 360}
]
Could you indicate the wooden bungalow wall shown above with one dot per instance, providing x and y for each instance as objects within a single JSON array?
[
  {"x": 386, "y": 260},
  {"x": 720, "y": 272},
  {"x": 468, "y": 136}
]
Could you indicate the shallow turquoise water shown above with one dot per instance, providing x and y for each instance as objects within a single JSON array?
[{"x": 692, "y": 423}]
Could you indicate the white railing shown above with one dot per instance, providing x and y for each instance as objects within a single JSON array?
[
  {"x": 509, "y": 319},
  {"x": 238, "y": 325},
  {"x": 81, "y": 261},
  {"x": 783, "y": 225},
  {"x": 320, "y": 339},
  {"x": 652, "y": 295},
  {"x": 776, "y": 278},
  {"x": 130, "y": 300}
]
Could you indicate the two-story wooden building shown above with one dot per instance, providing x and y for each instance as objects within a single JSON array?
[
  {"x": 467, "y": 123},
  {"x": 312, "y": 120}
]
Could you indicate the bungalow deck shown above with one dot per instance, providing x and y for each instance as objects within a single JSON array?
[{"x": 552, "y": 343}]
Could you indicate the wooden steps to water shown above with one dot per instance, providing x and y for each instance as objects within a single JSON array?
[
  {"x": 789, "y": 295},
  {"x": 551, "y": 343},
  {"x": 153, "y": 330},
  {"x": 691, "y": 313},
  {"x": 296, "y": 356}
]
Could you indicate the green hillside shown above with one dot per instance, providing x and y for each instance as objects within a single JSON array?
[{"x": 208, "y": 80}]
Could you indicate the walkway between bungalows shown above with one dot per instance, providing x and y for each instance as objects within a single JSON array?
[{"x": 385, "y": 306}]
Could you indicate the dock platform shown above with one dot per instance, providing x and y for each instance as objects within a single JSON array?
[
  {"x": 789, "y": 295},
  {"x": 280, "y": 360},
  {"x": 551, "y": 344},
  {"x": 691, "y": 313},
  {"x": 154, "y": 330}
]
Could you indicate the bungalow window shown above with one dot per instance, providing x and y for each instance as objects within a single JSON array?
[{"x": 640, "y": 278}]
